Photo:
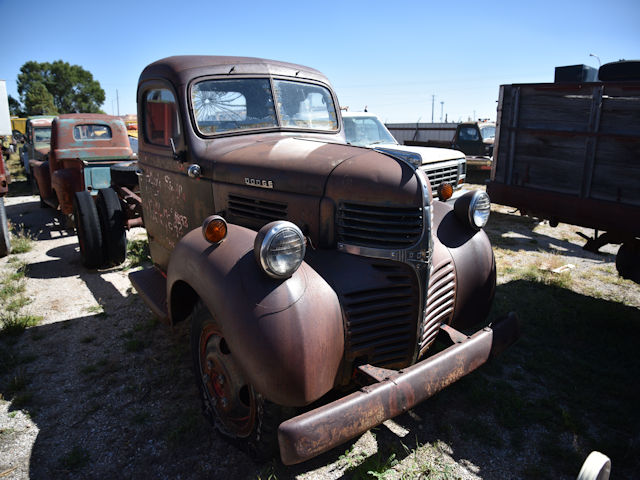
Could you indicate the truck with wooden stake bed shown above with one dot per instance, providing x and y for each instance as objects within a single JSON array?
[
  {"x": 316, "y": 275},
  {"x": 569, "y": 152}
]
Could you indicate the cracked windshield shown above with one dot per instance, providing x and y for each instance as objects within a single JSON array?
[{"x": 222, "y": 106}]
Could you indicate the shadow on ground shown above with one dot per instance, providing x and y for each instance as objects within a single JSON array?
[
  {"x": 113, "y": 396},
  {"x": 502, "y": 227}
]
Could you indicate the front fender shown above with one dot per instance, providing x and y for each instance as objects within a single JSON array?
[
  {"x": 286, "y": 336},
  {"x": 472, "y": 256}
]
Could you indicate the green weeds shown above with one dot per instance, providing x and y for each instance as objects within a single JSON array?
[
  {"x": 138, "y": 253},
  {"x": 21, "y": 240}
]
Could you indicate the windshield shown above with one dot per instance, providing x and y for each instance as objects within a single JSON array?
[
  {"x": 222, "y": 106},
  {"x": 42, "y": 134},
  {"x": 488, "y": 132},
  {"x": 365, "y": 131}
]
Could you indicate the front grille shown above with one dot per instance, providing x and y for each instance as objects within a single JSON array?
[
  {"x": 439, "y": 174},
  {"x": 259, "y": 211},
  {"x": 381, "y": 321},
  {"x": 440, "y": 303},
  {"x": 378, "y": 226}
]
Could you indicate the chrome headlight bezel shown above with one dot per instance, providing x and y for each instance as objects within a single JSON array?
[
  {"x": 473, "y": 208},
  {"x": 269, "y": 238}
]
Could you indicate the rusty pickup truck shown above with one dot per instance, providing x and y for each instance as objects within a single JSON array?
[
  {"x": 85, "y": 149},
  {"x": 316, "y": 276}
]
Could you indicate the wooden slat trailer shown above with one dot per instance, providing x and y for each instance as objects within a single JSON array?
[{"x": 570, "y": 152}]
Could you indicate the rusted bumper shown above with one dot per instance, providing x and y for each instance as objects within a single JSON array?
[{"x": 328, "y": 426}]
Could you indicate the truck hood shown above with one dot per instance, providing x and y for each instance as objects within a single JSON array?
[
  {"x": 428, "y": 154},
  {"x": 288, "y": 164}
]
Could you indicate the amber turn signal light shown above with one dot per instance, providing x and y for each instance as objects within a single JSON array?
[
  {"x": 445, "y": 190},
  {"x": 214, "y": 229}
]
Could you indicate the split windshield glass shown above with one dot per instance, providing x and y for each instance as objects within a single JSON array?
[{"x": 222, "y": 106}]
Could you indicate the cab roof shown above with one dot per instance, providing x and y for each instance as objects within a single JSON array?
[{"x": 180, "y": 69}]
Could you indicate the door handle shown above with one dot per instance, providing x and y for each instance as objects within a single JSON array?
[{"x": 194, "y": 171}]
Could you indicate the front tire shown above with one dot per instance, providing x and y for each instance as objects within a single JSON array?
[
  {"x": 85, "y": 216},
  {"x": 229, "y": 402}
]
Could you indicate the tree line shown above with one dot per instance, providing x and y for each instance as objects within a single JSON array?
[{"x": 53, "y": 88}]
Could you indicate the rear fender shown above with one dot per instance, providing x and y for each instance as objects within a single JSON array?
[
  {"x": 65, "y": 183},
  {"x": 287, "y": 336},
  {"x": 40, "y": 171}
]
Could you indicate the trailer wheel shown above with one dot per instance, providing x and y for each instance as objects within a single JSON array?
[
  {"x": 112, "y": 220},
  {"x": 85, "y": 217},
  {"x": 229, "y": 403},
  {"x": 628, "y": 260},
  {"x": 5, "y": 235}
]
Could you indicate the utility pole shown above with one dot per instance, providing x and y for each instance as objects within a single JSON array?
[
  {"x": 441, "y": 111},
  {"x": 433, "y": 99},
  {"x": 118, "y": 101}
]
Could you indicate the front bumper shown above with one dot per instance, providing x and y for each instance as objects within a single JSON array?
[
  {"x": 314, "y": 432},
  {"x": 479, "y": 163}
]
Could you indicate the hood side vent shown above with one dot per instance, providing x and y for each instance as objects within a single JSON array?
[{"x": 258, "y": 212}]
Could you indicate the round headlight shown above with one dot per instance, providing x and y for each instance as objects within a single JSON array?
[
  {"x": 473, "y": 209},
  {"x": 279, "y": 249},
  {"x": 479, "y": 209}
]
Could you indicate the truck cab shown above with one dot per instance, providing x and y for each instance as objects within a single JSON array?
[
  {"x": 37, "y": 140},
  {"x": 84, "y": 146},
  {"x": 475, "y": 139},
  {"x": 308, "y": 268}
]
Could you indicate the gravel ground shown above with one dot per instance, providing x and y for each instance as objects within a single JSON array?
[{"x": 108, "y": 392}]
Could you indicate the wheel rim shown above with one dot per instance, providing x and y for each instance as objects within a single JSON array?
[{"x": 229, "y": 400}]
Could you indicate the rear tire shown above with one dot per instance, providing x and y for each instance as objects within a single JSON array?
[
  {"x": 628, "y": 260},
  {"x": 5, "y": 235},
  {"x": 233, "y": 407},
  {"x": 85, "y": 216},
  {"x": 112, "y": 218}
]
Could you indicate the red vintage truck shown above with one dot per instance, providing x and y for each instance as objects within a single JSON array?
[
  {"x": 5, "y": 234},
  {"x": 316, "y": 276},
  {"x": 85, "y": 149}
]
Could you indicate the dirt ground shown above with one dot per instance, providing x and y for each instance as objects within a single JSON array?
[{"x": 109, "y": 392}]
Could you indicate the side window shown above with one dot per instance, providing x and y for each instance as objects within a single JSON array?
[{"x": 160, "y": 117}]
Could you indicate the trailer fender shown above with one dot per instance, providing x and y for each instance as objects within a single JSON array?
[{"x": 287, "y": 336}]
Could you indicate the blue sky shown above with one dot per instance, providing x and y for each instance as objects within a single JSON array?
[{"x": 391, "y": 56}]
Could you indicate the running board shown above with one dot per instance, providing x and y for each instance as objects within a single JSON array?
[{"x": 151, "y": 285}]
